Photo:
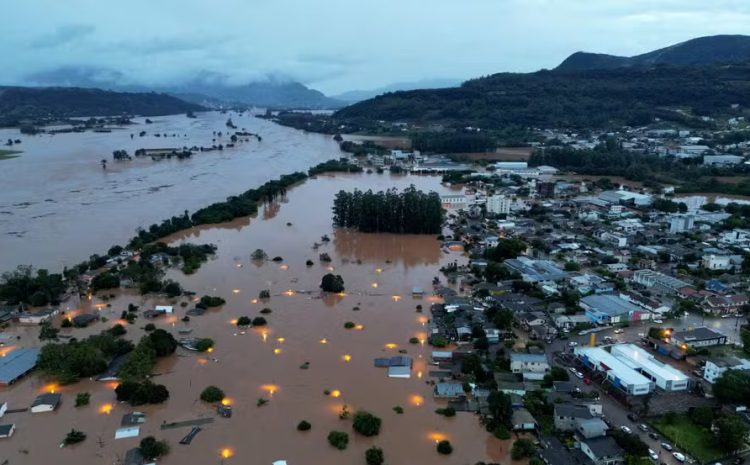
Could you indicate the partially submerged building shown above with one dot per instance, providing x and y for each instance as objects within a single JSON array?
[{"x": 17, "y": 363}]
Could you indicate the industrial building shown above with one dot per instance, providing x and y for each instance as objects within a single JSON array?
[
  {"x": 610, "y": 309},
  {"x": 664, "y": 376},
  {"x": 16, "y": 363},
  {"x": 619, "y": 373},
  {"x": 651, "y": 278},
  {"x": 535, "y": 271}
]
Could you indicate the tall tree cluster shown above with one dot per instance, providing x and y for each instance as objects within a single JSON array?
[{"x": 407, "y": 212}]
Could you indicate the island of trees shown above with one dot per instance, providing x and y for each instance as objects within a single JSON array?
[{"x": 407, "y": 212}]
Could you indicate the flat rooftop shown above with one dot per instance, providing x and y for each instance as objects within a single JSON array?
[
  {"x": 609, "y": 304},
  {"x": 608, "y": 362},
  {"x": 17, "y": 363},
  {"x": 647, "y": 362}
]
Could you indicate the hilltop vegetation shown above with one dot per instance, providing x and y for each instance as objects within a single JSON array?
[
  {"x": 35, "y": 103},
  {"x": 592, "y": 99}
]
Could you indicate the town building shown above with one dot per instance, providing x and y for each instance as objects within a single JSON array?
[
  {"x": 651, "y": 278},
  {"x": 609, "y": 309},
  {"x": 454, "y": 201},
  {"x": 499, "y": 204},
  {"x": 7, "y": 431},
  {"x": 664, "y": 376},
  {"x": 714, "y": 368},
  {"x": 681, "y": 223},
  {"x": 603, "y": 451},
  {"x": 619, "y": 373},
  {"x": 567, "y": 416},
  {"x": 716, "y": 262},
  {"x": 536, "y": 271},
  {"x": 46, "y": 403},
  {"x": 530, "y": 366},
  {"x": 698, "y": 337},
  {"x": 17, "y": 363}
]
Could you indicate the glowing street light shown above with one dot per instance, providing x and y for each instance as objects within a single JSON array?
[{"x": 347, "y": 358}]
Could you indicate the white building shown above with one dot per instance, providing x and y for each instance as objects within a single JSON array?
[
  {"x": 715, "y": 368},
  {"x": 664, "y": 376},
  {"x": 619, "y": 373},
  {"x": 499, "y": 205},
  {"x": 651, "y": 278},
  {"x": 681, "y": 223},
  {"x": 530, "y": 366},
  {"x": 716, "y": 262},
  {"x": 453, "y": 201}
]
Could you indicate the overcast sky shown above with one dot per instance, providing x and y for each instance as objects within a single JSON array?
[{"x": 339, "y": 45}]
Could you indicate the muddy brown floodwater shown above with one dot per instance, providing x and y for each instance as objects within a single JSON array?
[
  {"x": 56, "y": 191},
  {"x": 379, "y": 271}
]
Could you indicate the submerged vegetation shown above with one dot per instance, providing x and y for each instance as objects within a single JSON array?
[{"x": 408, "y": 212}]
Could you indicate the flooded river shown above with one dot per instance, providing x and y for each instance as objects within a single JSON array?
[
  {"x": 58, "y": 205},
  {"x": 379, "y": 271}
]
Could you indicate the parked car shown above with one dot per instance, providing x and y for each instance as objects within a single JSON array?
[
  {"x": 727, "y": 315},
  {"x": 643, "y": 427},
  {"x": 653, "y": 436},
  {"x": 586, "y": 381},
  {"x": 658, "y": 321},
  {"x": 625, "y": 429},
  {"x": 653, "y": 455},
  {"x": 579, "y": 375},
  {"x": 679, "y": 456},
  {"x": 619, "y": 331},
  {"x": 667, "y": 446},
  {"x": 632, "y": 417},
  {"x": 573, "y": 370},
  {"x": 572, "y": 343}
]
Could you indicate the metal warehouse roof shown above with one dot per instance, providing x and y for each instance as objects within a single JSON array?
[
  {"x": 647, "y": 362},
  {"x": 620, "y": 369},
  {"x": 610, "y": 304},
  {"x": 17, "y": 363}
]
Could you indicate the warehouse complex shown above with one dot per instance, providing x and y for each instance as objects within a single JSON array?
[
  {"x": 633, "y": 369},
  {"x": 664, "y": 376},
  {"x": 619, "y": 373}
]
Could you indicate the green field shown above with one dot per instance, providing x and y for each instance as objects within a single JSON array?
[
  {"x": 691, "y": 438},
  {"x": 8, "y": 154}
]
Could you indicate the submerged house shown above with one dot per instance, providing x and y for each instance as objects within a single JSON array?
[{"x": 46, "y": 403}]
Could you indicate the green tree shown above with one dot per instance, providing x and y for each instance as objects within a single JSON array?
[
  {"x": 332, "y": 283},
  {"x": 74, "y": 437},
  {"x": 733, "y": 387},
  {"x": 374, "y": 456},
  {"x": 304, "y": 426},
  {"x": 244, "y": 321},
  {"x": 366, "y": 423},
  {"x": 338, "y": 439},
  {"x": 522, "y": 448},
  {"x": 212, "y": 394},
  {"x": 151, "y": 449},
  {"x": 444, "y": 447},
  {"x": 731, "y": 433}
]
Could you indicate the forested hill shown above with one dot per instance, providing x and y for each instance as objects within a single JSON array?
[
  {"x": 18, "y": 103},
  {"x": 712, "y": 50},
  {"x": 589, "y": 99}
]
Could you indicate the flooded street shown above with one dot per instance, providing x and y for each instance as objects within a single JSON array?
[
  {"x": 379, "y": 271},
  {"x": 58, "y": 205}
]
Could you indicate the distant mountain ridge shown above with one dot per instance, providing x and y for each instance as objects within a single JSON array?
[
  {"x": 353, "y": 96},
  {"x": 711, "y": 50},
  {"x": 19, "y": 103},
  {"x": 707, "y": 76}
]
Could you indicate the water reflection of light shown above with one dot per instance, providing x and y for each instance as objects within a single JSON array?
[
  {"x": 264, "y": 335},
  {"x": 281, "y": 339},
  {"x": 235, "y": 291},
  {"x": 238, "y": 265},
  {"x": 324, "y": 341},
  {"x": 391, "y": 345},
  {"x": 396, "y": 298},
  {"x": 6, "y": 350},
  {"x": 202, "y": 361},
  {"x": 210, "y": 349},
  {"x": 270, "y": 388},
  {"x": 289, "y": 292},
  {"x": 422, "y": 320},
  {"x": 416, "y": 400},
  {"x": 226, "y": 401},
  {"x": 346, "y": 358},
  {"x": 359, "y": 327},
  {"x": 437, "y": 437},
  {"x": 105, "y": 409},
  {"x": 341, "y": 294},
  {"x": 233, "y": 322},
  {"x": 419, "y": 375},
  {"x": 379, "y": 270},
  {"x": 51, "y": 388},
  {"x": 330, "y": 268},
  {"x": 375, "y": 285},
  {"x": 254, "y": 301},
  {"x": 112, "y": 385},
  {"x": 226, "y": 453},
  {"x": 284, "y": 267},
  {"x": 336, "y": 393},
  {"x": 276, "y": 351}
]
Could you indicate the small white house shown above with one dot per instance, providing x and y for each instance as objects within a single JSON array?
[
  {"x": 164, "y": 308},
  {"x": 7, "y": 431},
  {"x": 127, "y": 432},
  {"x": 46, "y": 403}
]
